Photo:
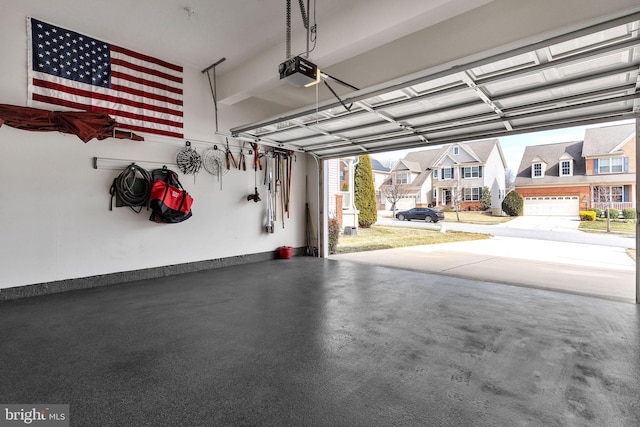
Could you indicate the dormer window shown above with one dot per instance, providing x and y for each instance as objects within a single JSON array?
[
  {"x": 566, "y": 168},
  {"x": 456, "y": 150},
  {"x": 537, "y": 170}
]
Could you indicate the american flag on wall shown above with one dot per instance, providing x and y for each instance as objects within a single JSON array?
[{"x": 142, "y": 93}]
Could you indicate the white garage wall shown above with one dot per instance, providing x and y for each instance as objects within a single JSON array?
[{"x": 55, "y": 221}]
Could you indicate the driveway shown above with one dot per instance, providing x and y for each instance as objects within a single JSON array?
[{"x": 601, "y": 271}]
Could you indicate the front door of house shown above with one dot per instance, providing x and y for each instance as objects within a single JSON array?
[{"x": 446, "y": 196}]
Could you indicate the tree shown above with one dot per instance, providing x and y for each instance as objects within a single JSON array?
[
  {"x": 458, "y": 195},
  {"x": 394, "y": 192},
  {"x": 604, "y": 196},
  {"x": 365, "y": 193},
  {"x": 485, "y": 201},
  {"x": 509, "y": 180}
]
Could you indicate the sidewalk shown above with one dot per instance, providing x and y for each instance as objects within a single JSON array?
[{"x": 569, "y": 267}]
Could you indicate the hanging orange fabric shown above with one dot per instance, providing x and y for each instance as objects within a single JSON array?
[{"x": 86, "y": 125}]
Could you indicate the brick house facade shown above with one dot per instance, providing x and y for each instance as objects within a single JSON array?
[{"x": 565, "y": 178}]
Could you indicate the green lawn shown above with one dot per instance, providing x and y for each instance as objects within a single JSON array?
[
  {"x": 379, "y": 237},
  {"x": 476, "y": 218},
  {"x": 617, "y": 226}
]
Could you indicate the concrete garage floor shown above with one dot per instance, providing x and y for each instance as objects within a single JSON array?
[{"x": 323, "y": 343}]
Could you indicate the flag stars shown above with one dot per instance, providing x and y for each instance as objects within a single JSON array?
[{"x": 70, "y": 55}]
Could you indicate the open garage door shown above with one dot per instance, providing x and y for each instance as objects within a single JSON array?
[
  {"x": 582, "y": 77},
  {"x": 552, "y": 206}
]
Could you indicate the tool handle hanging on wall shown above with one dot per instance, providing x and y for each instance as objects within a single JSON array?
[
  {"x": 230, "y": 158},
  {"x": 241, "y": 159}
]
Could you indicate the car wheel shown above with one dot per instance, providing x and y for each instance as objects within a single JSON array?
[{"x": 401, "y": 217}]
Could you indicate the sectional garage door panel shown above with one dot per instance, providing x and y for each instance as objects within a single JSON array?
[
  {"x": 582, "y": 77},
  {"x": 552, "y": 205}
]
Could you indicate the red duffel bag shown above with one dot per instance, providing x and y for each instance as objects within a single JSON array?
[{"x": 169, "y": 202}]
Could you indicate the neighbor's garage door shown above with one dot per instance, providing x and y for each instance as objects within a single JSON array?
[{"x": 552, "y": 205}]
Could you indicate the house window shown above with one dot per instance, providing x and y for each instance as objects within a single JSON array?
[
  {"x": 611, "y": 165},
  {"x": 456, "y": 150},
  {"x": 471, "y": 172},
  {"x": 537, "y": 170},
  {"x": 435, "y": 174},
  {"x": 402, "y": 178},
  {"x": 566, "y": 168},
  {"x": 447, "y": 173},
  {"x": 472, "y": 194},
  {"x": 604, "y": 194}
]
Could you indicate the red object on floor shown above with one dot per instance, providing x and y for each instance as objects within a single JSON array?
[{"x": 285, "y": 252}]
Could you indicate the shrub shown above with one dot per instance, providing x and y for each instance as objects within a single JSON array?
[
  {"x": 597, "y": 211},
  {"x": 334, "y": 234},
  {"x": 485, "y": 202},
  {"x": 365, "y": 193},
  {"x": 629, "y": 213},
  {"x": 512, "y": 203},
  {"x": 587, "y": 216},
  {"x": 613, "y": 213}
]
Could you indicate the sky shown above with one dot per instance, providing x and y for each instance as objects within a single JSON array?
[{"x": 513, "y": 146}]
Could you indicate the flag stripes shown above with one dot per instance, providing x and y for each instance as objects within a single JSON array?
[{"x": 142, "y": 93}]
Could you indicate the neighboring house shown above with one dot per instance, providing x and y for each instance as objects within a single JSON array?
[
  {"x": 340, "y": 190},
  {"x": 564, "y": 178},
  {"x": 436, "y": 177},
  {"x": 380, "y": 175}
]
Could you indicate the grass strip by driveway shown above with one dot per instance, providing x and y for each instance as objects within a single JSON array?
[
  {"x": 380, "y": 237},
  {"x": 600, "y": 225}
]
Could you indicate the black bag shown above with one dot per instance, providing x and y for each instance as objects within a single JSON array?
[{"x": 169, "y": 202}]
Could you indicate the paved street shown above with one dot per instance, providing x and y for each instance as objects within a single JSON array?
[{"x": 561, "y": 229}]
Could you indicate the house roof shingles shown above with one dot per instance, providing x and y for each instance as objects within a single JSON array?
[
  {"x": 597, "y": 141},
  {"x": 377, "y": 166},
  {"x": 604, "y": 140},
  {"x": 551, "y": 153}
]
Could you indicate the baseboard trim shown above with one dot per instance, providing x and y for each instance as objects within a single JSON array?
[{"x": 58, "y": 286}]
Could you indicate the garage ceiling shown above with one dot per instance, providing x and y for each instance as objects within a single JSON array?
[{"x": 586, "y": 76}]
